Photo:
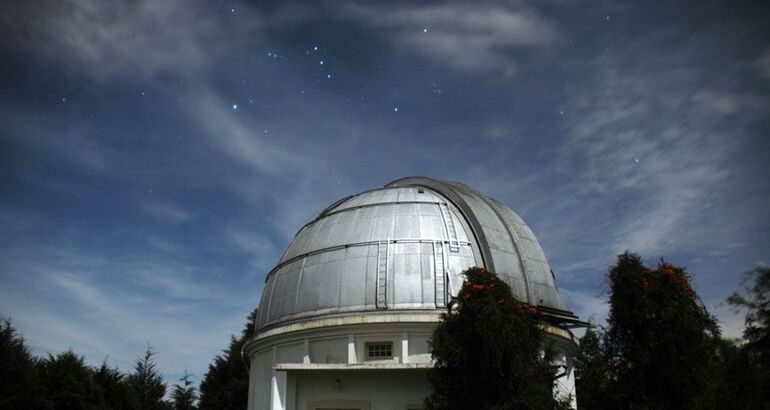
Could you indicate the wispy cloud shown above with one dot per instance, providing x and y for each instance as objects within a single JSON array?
[
  {"x": 462, "y": 34},
  {"x": 763, "y": 64},
  {"x": 111, "y": 306},
  {"x": 166, "y": 211},
  {"x": 107, "y": 39}
]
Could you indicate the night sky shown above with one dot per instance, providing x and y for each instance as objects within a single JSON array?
[{"x": 157, "y": 156}]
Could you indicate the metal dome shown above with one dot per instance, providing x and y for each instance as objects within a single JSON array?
[{"x": 403, "y": 247}]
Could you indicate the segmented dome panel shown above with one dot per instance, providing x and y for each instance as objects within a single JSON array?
[{"x": 403, "y": 247}]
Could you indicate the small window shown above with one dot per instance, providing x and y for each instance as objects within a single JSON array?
[
  {"x": 420, "y": 191},
  {"x": 379, "y": 350}
]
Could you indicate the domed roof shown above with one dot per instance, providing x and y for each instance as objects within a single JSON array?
[{"x": 403, "y": 247}]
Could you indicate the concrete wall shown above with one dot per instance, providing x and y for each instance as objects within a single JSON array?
[{"x": 381, "y": 389}]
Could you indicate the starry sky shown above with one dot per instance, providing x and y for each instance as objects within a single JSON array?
[{"x": 157, "y": 156}]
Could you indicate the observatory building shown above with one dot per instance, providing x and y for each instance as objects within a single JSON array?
[{"x": 346, "y": 314}]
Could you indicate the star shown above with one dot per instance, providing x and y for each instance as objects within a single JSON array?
[
  {"x": 395, "y": 109},
  {"x": 328, "y": 76},
  {"x": 636, "y": 160},
  {"x": 315, "y": 48},
  {"x": 232, "y": 10},
  {"x": 235, "y": 107},
  {"x": 321, "y": 62},
  {"x": 425, "y": 30}
]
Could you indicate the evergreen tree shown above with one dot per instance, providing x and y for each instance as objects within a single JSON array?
[
  {"x": 661, "y": 343},
  {"x": 69, "y": 383},
  {"x": 113, "y": 387},
  {"x": 226, "y": 384},
  {"x": 488, "y": 353},
  {"x": 146, "y": 385},
  {"x": 19, "y": 382},
  {"x": 591, "y": 372},
  {"x": 184, "y": 395}
]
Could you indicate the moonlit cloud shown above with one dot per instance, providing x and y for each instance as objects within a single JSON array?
[{"x": 462, "y": 34}]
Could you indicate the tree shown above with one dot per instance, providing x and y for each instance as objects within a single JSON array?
[
  {"x": 146, "y": 384},
  {"x": 19, "y": 382},
  {"x": 755, "y": 353},
  {"x": 69, "y": 383},
  {"x": 113, "y": 387},
  {"x": 591, "y": 371},
  {"x": 661, "y": 343},
  {"x": 226, "y": 384},
  {"x": 184, "y": 395},
  {"x": 488, "y": 353}
]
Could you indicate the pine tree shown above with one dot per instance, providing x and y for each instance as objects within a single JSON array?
[
  {"x": 488, "y": 353},
  {"x": 226, "y": 384},
  {"x": 146, "y": 384},
  {"x": 69, "y": 383},
  {"x": 20, "y": 386},
  {"x": 661, "y": 343},
  {"x": 184, "y": 395},
  {"x": 113, "y": 387}
]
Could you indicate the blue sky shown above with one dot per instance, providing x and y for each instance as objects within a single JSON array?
[{"x": 156, "y": 157}]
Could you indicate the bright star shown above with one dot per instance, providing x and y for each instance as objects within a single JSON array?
[
  {"x": 636, "y": 160},
  {"x": 425, "y": 30},
  {"x": 395, "y": 109},
  {"x": 235, "y": 106},
  {"x": 322, "y": 62},
  {"x": 232, "y": 10},
  {"x": 328, "y": 76},
  {"x": 315, "y": 48}
]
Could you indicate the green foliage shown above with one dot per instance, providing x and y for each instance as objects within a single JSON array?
[
  {"x": 487, "y": 353},
  {"x": 184, "y": 395},
  {"x": 226, "y": 384},
  {"x": 19, "y": 382},
  {"x": 69, "y": 383},
  {"x": 146, "y": 385},
  {"x": 661, "y": 343},
  {"x": 591, "y": 369}
]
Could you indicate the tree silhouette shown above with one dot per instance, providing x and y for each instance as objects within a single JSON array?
[
  {"x": 146, "y": 384},
  {"x": 226, "y": 384},
  {"x": 113, "y": 386},
  {"x": 755, "y": 355},
  {"x": 488, "y": 353},
  {"x": 69, "y": 383},
  {"x": 184, "y": 395},
  {"x": 19, "y": 382},
  {"x": 661, "y": 343}
]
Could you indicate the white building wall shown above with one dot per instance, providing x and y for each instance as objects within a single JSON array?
[
  {"x": 382, "y": 389},
  {"x": 397, "y": 388}
]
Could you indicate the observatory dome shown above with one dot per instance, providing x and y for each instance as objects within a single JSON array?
[{"x": 403, "y": 248}]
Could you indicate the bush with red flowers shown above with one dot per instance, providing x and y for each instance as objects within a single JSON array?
[{"x": 487, "y": 352}]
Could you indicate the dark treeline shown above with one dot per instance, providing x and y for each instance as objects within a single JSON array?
[
  {"x": 65, "y": 381},
  {"x": 661, "y": 349}
]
